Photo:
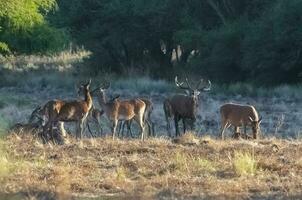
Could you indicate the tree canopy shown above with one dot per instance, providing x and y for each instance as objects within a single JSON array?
[
  {"x": 228, "y": 41},
  {"x": 23, "y": 27}
]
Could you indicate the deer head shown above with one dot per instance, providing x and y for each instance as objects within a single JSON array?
[
  {"x": 83, "y": 88},
  {"x": 193, "y": 92},
  {"x": 255, "y": 124}
]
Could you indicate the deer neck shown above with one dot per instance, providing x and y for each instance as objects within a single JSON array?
[
  {"x": 107, "y": 106},
  {"x": 102, "y": 99},
  {"x": 88, "y": 99}
]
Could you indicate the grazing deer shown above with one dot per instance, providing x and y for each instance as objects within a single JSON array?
[
  {"x": 147, "y": 119},
  {"x": 117, "y": 110},
  {"x": 68, "y": 111},
  {"x": 239, "y": 115},
  {"x": 185, "y": 106}
]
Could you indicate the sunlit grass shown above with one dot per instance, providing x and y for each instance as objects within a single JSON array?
[{"x": 244, "y": 163}]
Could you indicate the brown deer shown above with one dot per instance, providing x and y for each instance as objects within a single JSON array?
[
  {"x": 68, "y": 111},
  {"x": 117, "y": 110},
  {"x": 185, "y": 106},
  {"x": 239, "y": 115},
  {"x": 94, "y": 115},
  {"x": 147, "y": 119}
]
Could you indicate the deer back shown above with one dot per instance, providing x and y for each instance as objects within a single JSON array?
[
  {"x": 73, "y": 111},
  {"x": 127, "y": 109},
  {"x": 238, "y": 114}
]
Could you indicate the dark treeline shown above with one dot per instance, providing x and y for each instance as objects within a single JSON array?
[{"x": 258, "y": 41}]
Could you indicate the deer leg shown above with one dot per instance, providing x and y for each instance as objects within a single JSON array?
[
  {"x": 62, "y": 129},
  {"x": 140, "y": 122},
  {"x": 223, "y": 127},
  {"x": 81, "y": 127},
  {"x": 45, "y": 132},
  {"x": 125, "y": 123},
  {"x": 149, "y": 128},
  {"x": 113, "y": 128},
  {"x": 193, "y": 124},
  {"x": 236, "y": 132},
  {"x": 97, "y": 121},
  {"x": 153, "y": 128},
  {"x": 119, "y": 128},
  {"x": 100, "y": 128},
  {"x": 244, "y": 129},
  {"x": 129, "y": 131},
  {"x": 51, "y": 131},
  {"x": 184, "y": 124},
  {"x": 168, "y": 127},
  {"x": 89, "y": 129},
  {"x": 78, "y": 130},
  {"x": 176, "y": 119}
]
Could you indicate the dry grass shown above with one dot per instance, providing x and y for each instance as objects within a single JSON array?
[
  {"x": 156, "y": 168},
  {"x": 61, "y": 61}
]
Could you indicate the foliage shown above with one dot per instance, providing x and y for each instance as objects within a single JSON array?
[
  {"x": 23, "y": 28},
  {"x": 212, "y": 38},
  {"x": 227, "y": 41}
]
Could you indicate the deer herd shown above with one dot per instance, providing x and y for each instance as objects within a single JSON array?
[{"x": 121, "y": 113}]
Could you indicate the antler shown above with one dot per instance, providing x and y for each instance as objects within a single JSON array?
[
  {"x": 188, "y": 84},
  {"x": 103, "y": 86},
  {"x": 204, "y": 88},
  {"x": 180, "y": 85}
]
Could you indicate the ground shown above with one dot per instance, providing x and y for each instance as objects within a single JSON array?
[{"x": 187, "y": 168}]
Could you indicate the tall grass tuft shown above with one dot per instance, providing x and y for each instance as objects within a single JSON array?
[{"x": 244, "y": 163}]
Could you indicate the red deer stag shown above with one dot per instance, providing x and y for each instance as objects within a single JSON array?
[
  {"x": 184, "y": 106},
  {"x": 117, "y": 110},
  {"x": 68, "y": 111},
  {"x": 239, "y": 115}
]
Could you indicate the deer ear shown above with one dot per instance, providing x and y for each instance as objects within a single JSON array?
[
  {"x": 117, "y": 96},
  {"x": 251, "y": 119},
  {"x": 260, "y": 120}
]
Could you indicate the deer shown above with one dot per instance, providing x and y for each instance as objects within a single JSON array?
[
  {"x": 94, "y": 115},
  {"x": 184, "y": 106},
  {"x": 32, "y": 126},
  {"x": 68, "y": 111},
  {"x": 147, "y": 119},
  {"x": 117, "y": 110},
  {"x": 239, "y": 115}
]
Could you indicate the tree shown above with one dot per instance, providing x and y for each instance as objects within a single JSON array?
[{"x": 23, "y": 27}]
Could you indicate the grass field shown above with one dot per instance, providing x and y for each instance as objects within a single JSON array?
[{"x": 191, "y": 168}]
